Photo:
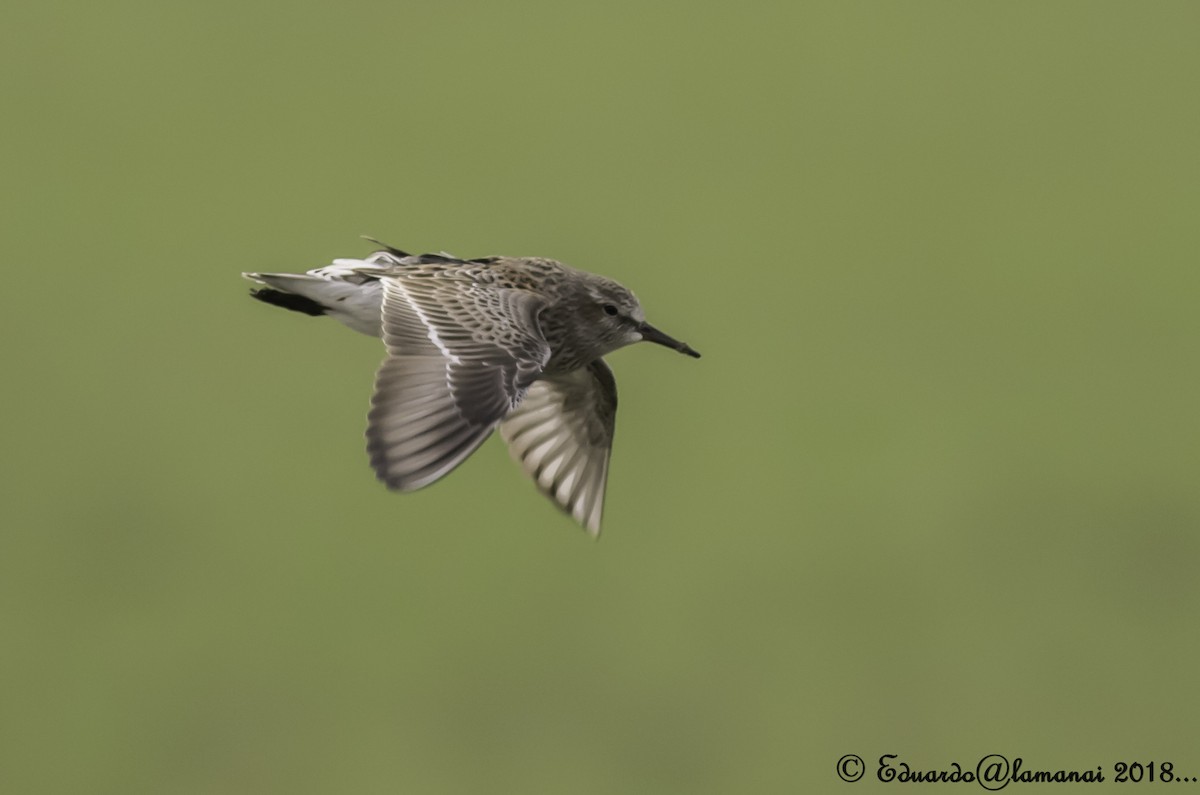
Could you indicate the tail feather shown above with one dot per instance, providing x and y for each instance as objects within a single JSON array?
[
  {"x": 297, "y": 303},
  {"x": 354, "y": 303}
]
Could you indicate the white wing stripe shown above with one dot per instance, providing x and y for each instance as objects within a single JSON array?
[{"x": 430, "y": 331}]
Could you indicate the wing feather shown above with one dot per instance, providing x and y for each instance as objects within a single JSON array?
[
  {"x": 561, "y": 434},
  {"x": 449, "y": 377}
]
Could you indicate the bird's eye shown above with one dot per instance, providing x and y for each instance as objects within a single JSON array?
[{"x": 609, "y": 309}]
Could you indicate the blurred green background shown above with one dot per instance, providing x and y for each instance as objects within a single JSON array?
[{"x": 931, "y": 491}]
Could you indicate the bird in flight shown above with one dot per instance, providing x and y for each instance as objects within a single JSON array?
[{"x": 514, "y": 342}]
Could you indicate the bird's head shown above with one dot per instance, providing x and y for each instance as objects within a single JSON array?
[{"x": 614, "y": 312}]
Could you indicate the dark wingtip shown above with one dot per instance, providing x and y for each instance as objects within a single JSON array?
[
  {"x": 389, "y": 249},
  {"x": 296, "y": 303}
]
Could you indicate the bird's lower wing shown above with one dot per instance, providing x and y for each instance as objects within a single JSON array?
[{"x": 562, "y": 434}]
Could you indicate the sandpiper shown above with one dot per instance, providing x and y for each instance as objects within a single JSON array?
[{"x": 516, "y": 342}]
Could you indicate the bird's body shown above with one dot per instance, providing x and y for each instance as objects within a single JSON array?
[{"x": 510, "y": 341}]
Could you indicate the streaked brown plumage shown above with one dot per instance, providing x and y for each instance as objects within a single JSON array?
[{"x": 512, "y": 342}]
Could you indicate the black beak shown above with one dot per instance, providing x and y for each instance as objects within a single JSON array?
[{"x": 651, "y": 334}]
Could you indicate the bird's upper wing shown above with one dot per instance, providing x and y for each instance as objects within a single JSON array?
[
  {"x": 562, "y": 434},
  {"x": 461, "y": 356}
]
